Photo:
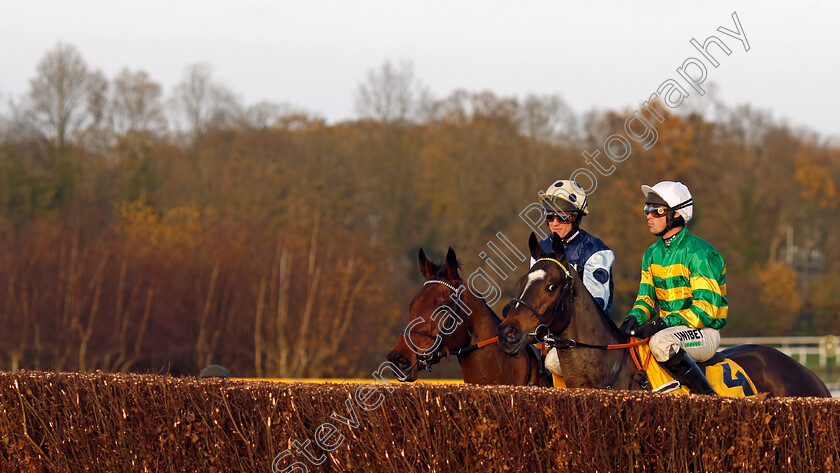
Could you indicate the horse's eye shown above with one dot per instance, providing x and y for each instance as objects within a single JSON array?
[{"x": 551, "y": 287}]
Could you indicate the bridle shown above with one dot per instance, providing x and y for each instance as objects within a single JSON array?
[
  {"x": 556, "y": 307},
  {"x": 427, "y": 334},
  {"x": 425, "y": 360}
]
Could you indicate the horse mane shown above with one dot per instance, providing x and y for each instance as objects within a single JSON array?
[{"x": 608, "y": 321}]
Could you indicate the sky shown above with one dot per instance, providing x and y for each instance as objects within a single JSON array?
[{"x": 314, "y": 54}]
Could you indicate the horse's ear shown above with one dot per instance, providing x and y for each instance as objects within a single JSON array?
[
  {"x": 534, "y": 246},
  {"x": 557, "y": 246},
  {"x": 427, "y": 268},
  {"x": 451, "y": 265}
]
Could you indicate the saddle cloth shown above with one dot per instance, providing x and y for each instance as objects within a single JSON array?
[{"x": 726, "y": 377}]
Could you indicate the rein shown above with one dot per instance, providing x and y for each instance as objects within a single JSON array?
[
  {"x": 438, "y": 355},
  {"x": 543, "y": 336}
]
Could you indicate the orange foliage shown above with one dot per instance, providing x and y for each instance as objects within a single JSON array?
[
  {"x": 815, "y": 180},
  {"x": 145, "y": 230},
  {"x": 779, "y": 297}
]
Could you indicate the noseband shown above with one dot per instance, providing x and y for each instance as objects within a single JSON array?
[{"x": 554, "y": 309}]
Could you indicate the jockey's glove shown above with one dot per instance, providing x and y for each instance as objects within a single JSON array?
[
  {"x": 649, "y": 328},
  {"x": 630, "y": 324}
]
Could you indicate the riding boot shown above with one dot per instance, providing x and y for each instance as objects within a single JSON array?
[{"x": 686, "y": 371}]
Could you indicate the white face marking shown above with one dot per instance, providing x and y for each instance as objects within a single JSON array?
[{"x": 533, "y": 277}]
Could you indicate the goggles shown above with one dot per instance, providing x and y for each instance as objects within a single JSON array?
[
  {"x": 564, "y": 217},
  {"x": 656, "y": 211}
]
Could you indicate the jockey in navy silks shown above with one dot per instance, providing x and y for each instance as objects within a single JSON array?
[{"x": 565, "y": 206}]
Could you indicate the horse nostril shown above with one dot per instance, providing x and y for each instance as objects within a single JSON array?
[
  {"x": 510, "y": 334},
  {"x": 399, "y": 359}
]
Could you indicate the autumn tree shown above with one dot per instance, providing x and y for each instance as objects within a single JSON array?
[
  {"x": 136, "y": 104},
  {"x": 391, "y": 94},
  {"x": 199, "y": 103},
  {"x": 549, "y": 119},
  {"x": 63, "y": 93}
]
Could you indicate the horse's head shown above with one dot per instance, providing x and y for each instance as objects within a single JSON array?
[
  {"x": 434, "y": 318},
  {"x": 539, "y": 300}
]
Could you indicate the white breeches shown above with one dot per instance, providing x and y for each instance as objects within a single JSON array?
[{"x": 700, "y": 344}]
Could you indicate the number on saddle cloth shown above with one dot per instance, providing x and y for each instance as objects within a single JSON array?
[{"x": 728, "y": 378}]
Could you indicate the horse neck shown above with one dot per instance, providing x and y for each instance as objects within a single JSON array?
[
  {"x": 482, "y": 321},
  {"x": 593, "y": 367},
  {"x": 489, "y": 365},
  {"x": 588, "y": 323}
]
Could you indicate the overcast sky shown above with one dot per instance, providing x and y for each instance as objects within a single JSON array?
[{"x": 313, "y": 54}]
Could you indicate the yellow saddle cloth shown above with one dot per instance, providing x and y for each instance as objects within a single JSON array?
[{"x": 726, "y": 377}]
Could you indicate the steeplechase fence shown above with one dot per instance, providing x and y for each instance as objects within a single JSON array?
[{"x": 69, "y": 422}]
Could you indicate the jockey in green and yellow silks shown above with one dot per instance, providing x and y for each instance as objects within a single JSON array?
[{"x": 686, "y": 278}]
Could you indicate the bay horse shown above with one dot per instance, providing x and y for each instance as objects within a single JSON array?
[
  {"x": 553, "y": 298},
  {"x": 448, "y": 320}
]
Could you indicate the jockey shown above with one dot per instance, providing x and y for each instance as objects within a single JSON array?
[
  {"x": 565, "y": 205},
  {"x": 686, "y": 277}
]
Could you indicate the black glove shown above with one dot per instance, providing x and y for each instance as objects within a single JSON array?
[
  {"x": 629, "y": 325},
  {"x": 649, "y": 328}
]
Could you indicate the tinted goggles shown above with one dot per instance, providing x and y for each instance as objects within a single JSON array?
[
  {"x": 656, "y": 211},
  {"x": 564, "y": 217}
]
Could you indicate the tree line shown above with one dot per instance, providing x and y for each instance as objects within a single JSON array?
[{"x": 143, "y": 232}]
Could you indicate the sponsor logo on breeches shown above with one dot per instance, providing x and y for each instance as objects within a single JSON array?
[{"x": 690, "y": 338}]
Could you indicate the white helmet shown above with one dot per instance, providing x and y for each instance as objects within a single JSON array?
[
  {"x": 673, "y": 194},
  {"x": 566, "y": 196}
]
